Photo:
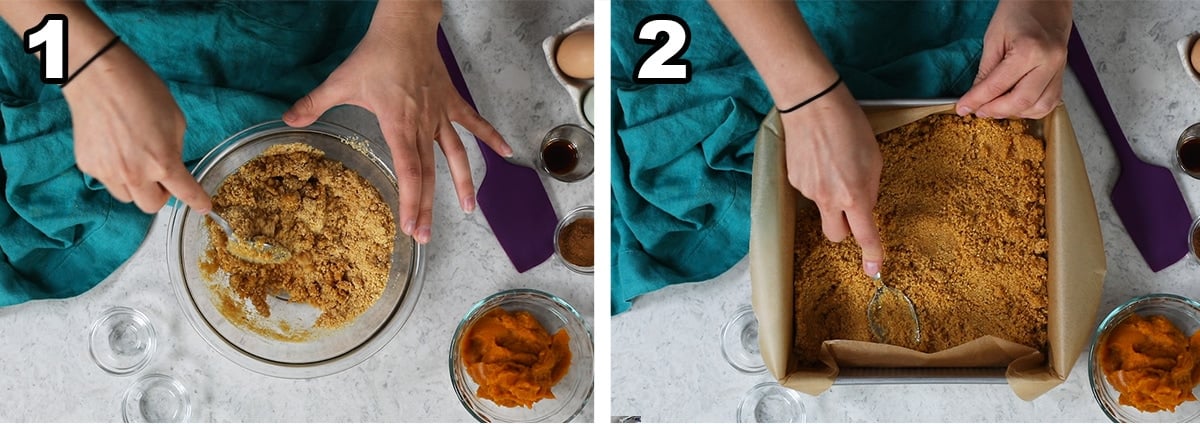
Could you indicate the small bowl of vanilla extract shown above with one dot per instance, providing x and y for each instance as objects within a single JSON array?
[
  {"x": 1188, "y": 151},
  {"x": 567, "y": 153}
]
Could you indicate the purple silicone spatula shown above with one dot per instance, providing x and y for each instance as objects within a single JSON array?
[
  {"x": 511, "y": 197},
  {"x": 1146, "y": 196}
]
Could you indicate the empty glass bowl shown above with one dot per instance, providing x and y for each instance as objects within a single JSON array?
[
  {"x": 122, "y": 341},
  {"x": 771, "y": 403},
  {"x": 571, "y": 393},
  {"x": 156, "y": 398},
  {"x": 1184, "y": 313},
  {"x": 739, "y": 342}
]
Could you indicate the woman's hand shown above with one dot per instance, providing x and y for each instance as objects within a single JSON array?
[
  {"x": 833, "y": 159},
  {"x": 832, "y": 155},
  {"x": 129, "y": 132},
  {"x": 128, "y": 129},
  {"x": 1024, "y": 52},
  {"x": 397, "y": 73}
]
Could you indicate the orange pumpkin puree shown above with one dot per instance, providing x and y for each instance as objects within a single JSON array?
[
  {"x": 514, "y": 359},
  {"x": 1151, "y": 363}
]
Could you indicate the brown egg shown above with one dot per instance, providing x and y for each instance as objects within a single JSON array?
[
  {"x": 575, "y": 55},
  {"x": 1195, "y": 57}
]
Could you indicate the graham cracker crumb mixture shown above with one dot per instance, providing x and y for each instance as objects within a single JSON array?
[
  {"x": 334, "y": 222},
  {"x": 894, "y": 317},
  {"x": 233, "y": 311},
  {"x": 962, "y": 216}
]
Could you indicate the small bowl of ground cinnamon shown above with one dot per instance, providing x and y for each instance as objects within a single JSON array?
[
  {"x": 1194, "y": 240},
  {"x": 1144, "y": 364},
  {"x": 574, "y": 240},
  {"x": 522, "y": 355}
]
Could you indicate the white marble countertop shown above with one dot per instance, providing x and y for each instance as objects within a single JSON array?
[
  {"x": 47, "y": 375},
  {"x": 666, "y": 356}
]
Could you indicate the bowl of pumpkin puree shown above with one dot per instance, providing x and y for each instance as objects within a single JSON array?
[
  {"x": 1144, "y": 364},
  {"x": 522, "y": 355}
]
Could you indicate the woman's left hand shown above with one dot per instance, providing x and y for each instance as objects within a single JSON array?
[
  {"x": 1024, "y": 53},
  {"x": 397, "y": 73}
]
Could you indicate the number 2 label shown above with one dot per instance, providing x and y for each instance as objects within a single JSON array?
[
  {"x": 50, "y": 39},
  {"x": 662, "y": 64}
]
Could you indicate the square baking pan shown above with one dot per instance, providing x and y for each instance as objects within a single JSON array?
[{"x": 1075, "y": 279}]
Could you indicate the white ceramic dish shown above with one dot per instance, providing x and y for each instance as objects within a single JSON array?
[
  {"x": 1185, "y": 46},
  {"x": 577, "y": 88}
]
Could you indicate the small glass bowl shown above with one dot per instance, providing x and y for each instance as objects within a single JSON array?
[
  {"x": 1190, "y": 134},
  {"x": 572, "y": 216},
  {"x": 1184, "y": 313},
  {"x": 122, "y": 341},
  {"x": 739, "y": 342},
  {"x": 1191, "y": 238},
  {"x": 156, "y": 398},
  {"x": 771, "y": 403},
  {"x": 571, "y": 393},
  {"x": 581, "y": 141}
]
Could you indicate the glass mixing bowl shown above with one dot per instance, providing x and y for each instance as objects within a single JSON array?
[
  {"x": 571, "y": 393},
  {"x": 321, "y": 352},
  {"x": 1181, "y": 311}
]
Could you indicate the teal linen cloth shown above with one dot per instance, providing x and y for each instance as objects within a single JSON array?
[
  {"x": 682, "y": 152},
  {"x": 228, "y": 64}
]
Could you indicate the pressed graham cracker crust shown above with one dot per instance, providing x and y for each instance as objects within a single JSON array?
[{"x": 962, "y": 217}]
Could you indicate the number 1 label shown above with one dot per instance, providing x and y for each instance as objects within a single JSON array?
[
  {"x": 50, "y": 39},
  {"x": 662, "y": 64}
]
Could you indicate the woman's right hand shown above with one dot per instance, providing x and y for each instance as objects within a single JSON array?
[
  {"x": 129, "y": 132},
  {"x": 832, "y": 156},
  {"x": 834, "y": 160}
]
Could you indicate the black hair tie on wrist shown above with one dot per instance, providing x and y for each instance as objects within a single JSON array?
[
  {"x": 813, "y": 98},
  {"x": 106, "y": 47}
]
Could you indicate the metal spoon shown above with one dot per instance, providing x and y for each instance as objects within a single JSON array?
[
  {"x": 892, "y": 309},
  {"x": 255, "y": 251}
]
